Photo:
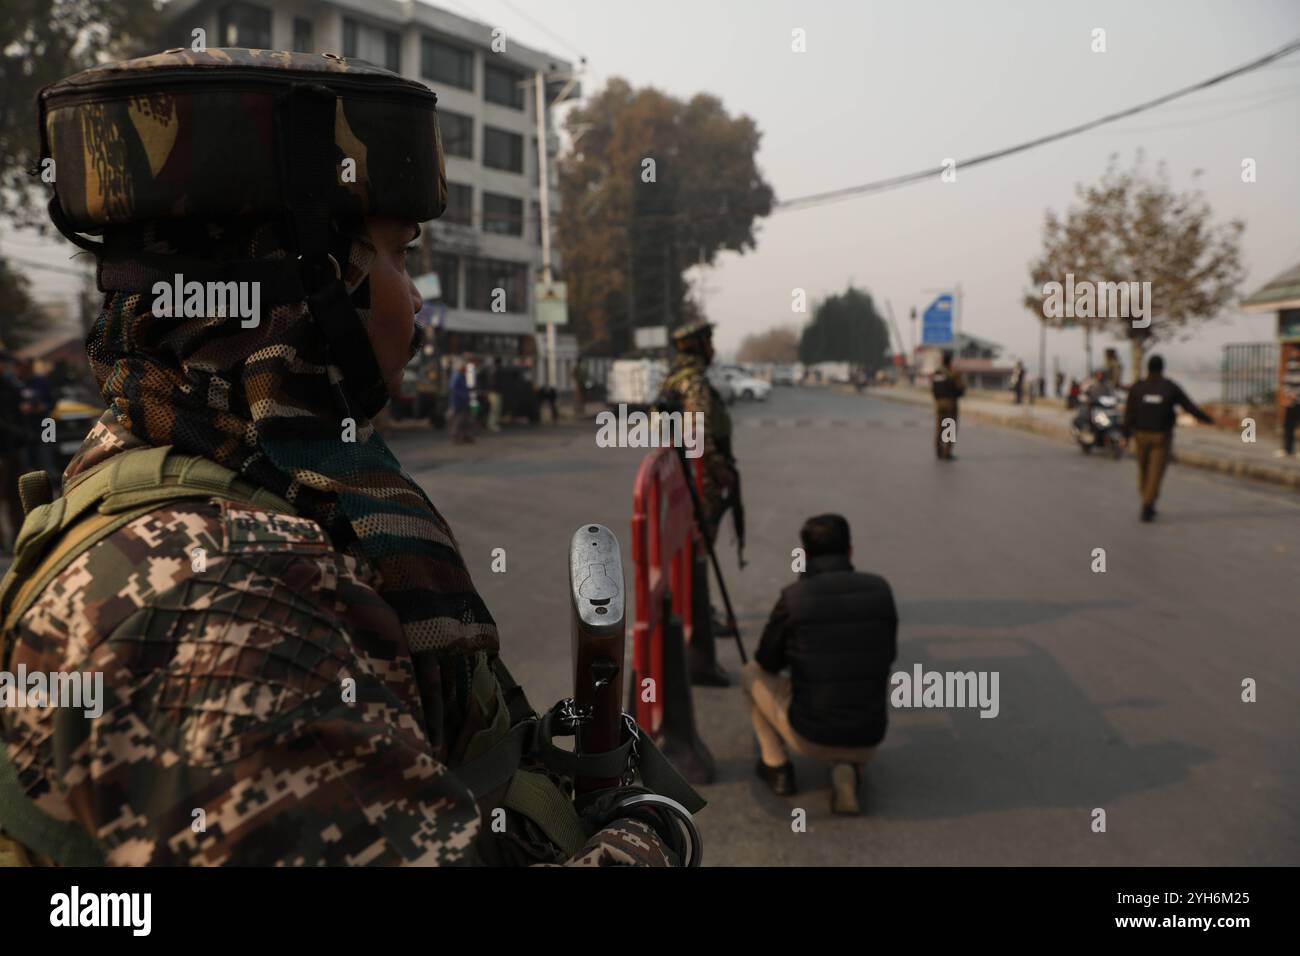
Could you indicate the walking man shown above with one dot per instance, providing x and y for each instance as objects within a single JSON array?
[
  {"x": 1149, "y": 418},
  {"x": 1291, "y": 403}
]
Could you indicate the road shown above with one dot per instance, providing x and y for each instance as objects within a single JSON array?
[{"x": 1118, "y": 690}]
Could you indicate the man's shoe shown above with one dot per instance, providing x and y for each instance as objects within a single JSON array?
[
  {"x": 844, "y": 789},
  {"x": 1148, "y": 513},
  {"x": 779, "y": 779},
  {"x": 713, "y": 676}
]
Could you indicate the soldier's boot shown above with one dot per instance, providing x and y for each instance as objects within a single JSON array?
[{"x": 703, "y": 656}]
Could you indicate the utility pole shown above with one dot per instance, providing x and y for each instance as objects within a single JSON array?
[{"x": 544, "y": 204}]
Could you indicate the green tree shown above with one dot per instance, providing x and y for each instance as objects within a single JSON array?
[
  {"x": 846, "y": 328},
  {"x": 20, "y": 321},
  {"x": 1133, "y": 227},
  {"x": 653, "y": 186},
  {"x": 42, "y": 41}
]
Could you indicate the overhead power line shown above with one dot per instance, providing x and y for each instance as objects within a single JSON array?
[{"x": 879, "y": 185}]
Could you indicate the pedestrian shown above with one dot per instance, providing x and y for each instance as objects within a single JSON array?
[
  {"x": 947, "y": 387},
  {"x": 687, "y": 389},
  {"x": 1076, "y": 389},
  {"x": 1018, "y": 381},
  {"x": 13, "y": 435},
  {"x": 1113, "y": 368},
  {"x": 1060, "y": 385},
  {"x": 1290, "y": 403},
  {"x": 1149, "y": 417},
  {"x": 836, "y": 630},
  {"x": 38, "y": 401},
  {"x": 291, "y": 646},
  {"x": 461, "y": 415},
  {"x": 495, "y": 382},
  {"x": 579, "y": 388}
]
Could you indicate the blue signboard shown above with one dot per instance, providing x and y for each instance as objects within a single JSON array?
[{"x": 936, "y": 323}]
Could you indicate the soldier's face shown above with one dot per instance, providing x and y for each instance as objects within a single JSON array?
[{"x": 393, "y": 297}]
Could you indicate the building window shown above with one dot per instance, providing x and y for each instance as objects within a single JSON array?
[
  {"x": 448, "y": 269},
  {"x": 502, "y": 85},
  {"x": 457, "y": 134},
  {"x": 484, "y": 276},
  {"x": 503, "y": 214},
  {"x": 446, "y": 63},
  {"x": 246, "y": 25},
  {"x": 460, "y": 204},
  {"x": 503, "y": 150},
  {"x": 302, "y": 36},
  {"x": 365, "y": 42}
]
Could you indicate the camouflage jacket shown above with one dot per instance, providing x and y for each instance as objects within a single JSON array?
[
  {"x": 687, "y": 387},
  {"x": 224, "y": 737}
]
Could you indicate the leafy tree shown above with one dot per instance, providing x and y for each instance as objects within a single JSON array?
[
  {"x": 846, "y": 328},
  {"x": 42, "y": 41},
  {"x": 1133, "y": 227},
  {"x": 653, "y": 186},
  {"x": 780, "y": 344},
  {"x": 20, "y": 321}
]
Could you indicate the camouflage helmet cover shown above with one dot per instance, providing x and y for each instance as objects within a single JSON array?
[
  {"x": 186, "y": 134},
  {"x": 692, "y": 334}
]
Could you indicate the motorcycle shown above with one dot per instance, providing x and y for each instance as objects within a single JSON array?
[{"x": 1100, "y": 426}]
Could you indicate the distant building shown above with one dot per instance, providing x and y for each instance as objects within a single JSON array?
[
  {"x": 490, "y": 235},
  {"x": 977, "y": 359},
  {"x": 1281, "y": 297}
]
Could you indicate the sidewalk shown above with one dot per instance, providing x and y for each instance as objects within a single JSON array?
[{"x": 1199, "y": 446}]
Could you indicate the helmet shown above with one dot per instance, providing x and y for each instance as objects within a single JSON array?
[
  {"x": 692, "y": 336},
  {"x": 299, "y": 139}
]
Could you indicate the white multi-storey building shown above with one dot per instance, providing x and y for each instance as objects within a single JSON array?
[{"x": 490, "y": 235}]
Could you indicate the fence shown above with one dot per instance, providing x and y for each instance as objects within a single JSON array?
[{"x": 1250, "y": 373}]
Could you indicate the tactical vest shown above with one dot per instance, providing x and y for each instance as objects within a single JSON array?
[{"x": 100, "y": 501}]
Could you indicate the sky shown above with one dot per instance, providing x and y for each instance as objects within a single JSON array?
[{"x": 892, "y": 87}]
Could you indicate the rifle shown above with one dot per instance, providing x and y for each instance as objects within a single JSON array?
[
  {"x": 596, "y": 595},
  {"x": 698, "y": 510},
  {"x": 599, "y": 625}
]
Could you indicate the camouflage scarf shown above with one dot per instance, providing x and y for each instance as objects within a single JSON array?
[{"x": 266, "y": 402}]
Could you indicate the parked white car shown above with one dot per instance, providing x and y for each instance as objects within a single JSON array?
[
  {"x": 747, "y": 387},
  {"x": 721, "y": 383}
]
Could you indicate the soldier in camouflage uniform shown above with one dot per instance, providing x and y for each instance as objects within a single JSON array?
[
  {"x": 687, "y": 389},
  {"x": 282, "y": 686}
]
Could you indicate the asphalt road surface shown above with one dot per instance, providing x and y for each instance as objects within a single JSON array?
[{"x": 1119, "y": 691}]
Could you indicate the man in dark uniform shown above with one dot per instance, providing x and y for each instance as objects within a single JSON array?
[
  {"x": 1149, "y": 418},
  {"x": 687, "y": 389},
  {"x": 948, "y": 387},
  {"x": 1291, "y": 403}
]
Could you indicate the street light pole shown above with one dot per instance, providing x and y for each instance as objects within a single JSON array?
[{"x": 544, "y": 205}]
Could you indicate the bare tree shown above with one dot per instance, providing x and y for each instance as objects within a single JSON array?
[{"x": 1130, "y": 227}]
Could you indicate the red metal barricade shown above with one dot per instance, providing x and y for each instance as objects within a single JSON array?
[{"x": 663, "y": 543}]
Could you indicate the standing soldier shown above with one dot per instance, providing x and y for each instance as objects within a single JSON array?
[
  {"x": 296, "y": 666},
  {"x": 687, "y": 389},
  {"x": 947, "y": 387},
  {"x": 1149, "y": 418}
]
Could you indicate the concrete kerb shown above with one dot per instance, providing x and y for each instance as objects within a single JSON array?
[{"x": 1025, "y": 421}]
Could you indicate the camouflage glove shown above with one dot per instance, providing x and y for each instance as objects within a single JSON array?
[
  {"x": 598, "y": 811},
  {"x": 625, "y": 842}
]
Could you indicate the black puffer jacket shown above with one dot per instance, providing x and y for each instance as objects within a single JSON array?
[{"x": 837, "y": 631}]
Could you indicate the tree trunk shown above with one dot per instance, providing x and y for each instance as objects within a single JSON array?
[{"x": 1137, "y": 348}]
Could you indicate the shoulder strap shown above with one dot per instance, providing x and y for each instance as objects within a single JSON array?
[
  {"x": 99, "y": 502},
  {"x": 53, "y": 535}
]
